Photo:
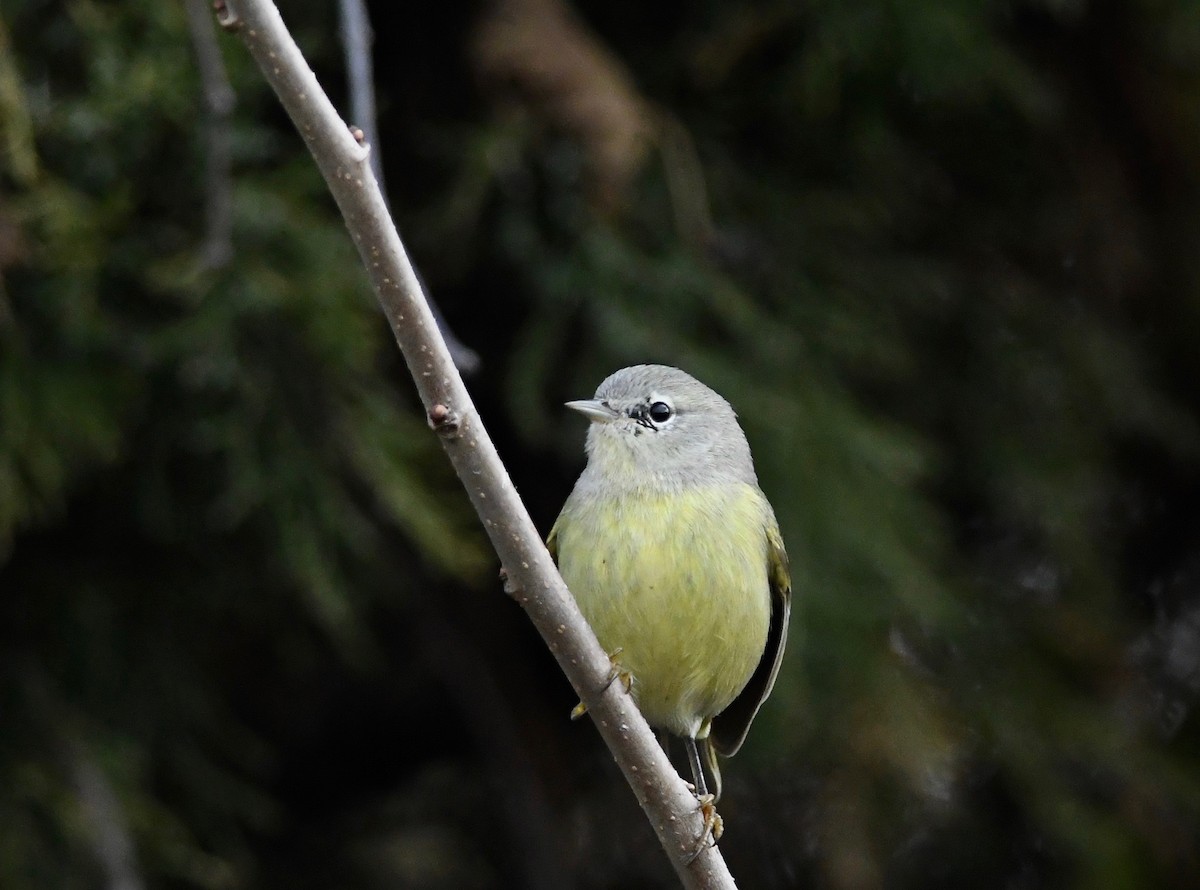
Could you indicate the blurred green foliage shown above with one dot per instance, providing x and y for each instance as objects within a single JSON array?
[
  {"x": 941, "y": 258},
  {"x": 194, "y": 463}
]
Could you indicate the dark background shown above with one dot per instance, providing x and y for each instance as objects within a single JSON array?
[{"x": 944, "y": 259}]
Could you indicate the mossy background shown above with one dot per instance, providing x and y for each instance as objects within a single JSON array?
[{"x": 944, "y": 258}]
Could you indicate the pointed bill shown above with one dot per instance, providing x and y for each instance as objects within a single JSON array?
[{"x": 594, "y": 410}]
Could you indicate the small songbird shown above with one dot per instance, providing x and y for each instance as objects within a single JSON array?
[{"x": 675, "y": 558}]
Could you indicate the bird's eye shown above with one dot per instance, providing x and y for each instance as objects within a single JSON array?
[{"x": 660, "y": 412}]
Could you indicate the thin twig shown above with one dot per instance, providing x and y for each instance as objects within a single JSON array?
[
  {"x": 218, "y": 161},
  {"x": 666, "y": 799},
  {"x": 357, "y": 41}
]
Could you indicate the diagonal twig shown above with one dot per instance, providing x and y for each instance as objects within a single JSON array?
[{"x": 534, "y": 581}]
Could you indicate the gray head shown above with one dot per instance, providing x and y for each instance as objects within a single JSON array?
[{"x": 656, "y": 426}]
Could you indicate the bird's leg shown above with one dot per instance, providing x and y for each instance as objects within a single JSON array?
[
  {"x": 614, "y": 674},
  {"x": 664, "y": 740},
  {"x": 700, "y": 786},
  {"x": 714, "y": 825}
]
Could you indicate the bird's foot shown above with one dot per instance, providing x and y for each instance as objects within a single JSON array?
[
  {"x": 614, "y": 674},
  {"x": 714, "y": 826}
]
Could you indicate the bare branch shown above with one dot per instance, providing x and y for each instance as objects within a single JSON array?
[{"x": 664, "y": 796}]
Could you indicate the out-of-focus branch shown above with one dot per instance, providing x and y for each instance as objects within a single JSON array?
[
  {"x": 541, "y": 52},
  {"x": 533, "y": 579},
  {"x": 218, "y": 162},
  {"x": 105, "y": 821},
  {"x": 101, "y": 813},
  {"x": 357, "y": 41},
  {"x": 466, "y": 359}
]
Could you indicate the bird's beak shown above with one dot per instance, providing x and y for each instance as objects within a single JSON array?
[{"x": 594, "y": 410}]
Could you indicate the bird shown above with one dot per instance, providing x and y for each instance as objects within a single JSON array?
[{"x": 675, "y": 558}]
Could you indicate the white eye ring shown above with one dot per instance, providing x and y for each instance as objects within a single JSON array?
[{"x": 660, "y": 412}]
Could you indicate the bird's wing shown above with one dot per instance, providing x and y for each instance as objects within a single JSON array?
[
  {"x": 552, "y": 542},
  {"x": 729, "y": 728}
]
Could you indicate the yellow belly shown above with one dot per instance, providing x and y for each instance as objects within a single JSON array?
[{"x": 679, "y": 584}]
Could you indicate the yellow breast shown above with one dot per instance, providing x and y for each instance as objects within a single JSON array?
[{"x": 678, "y": 582}]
